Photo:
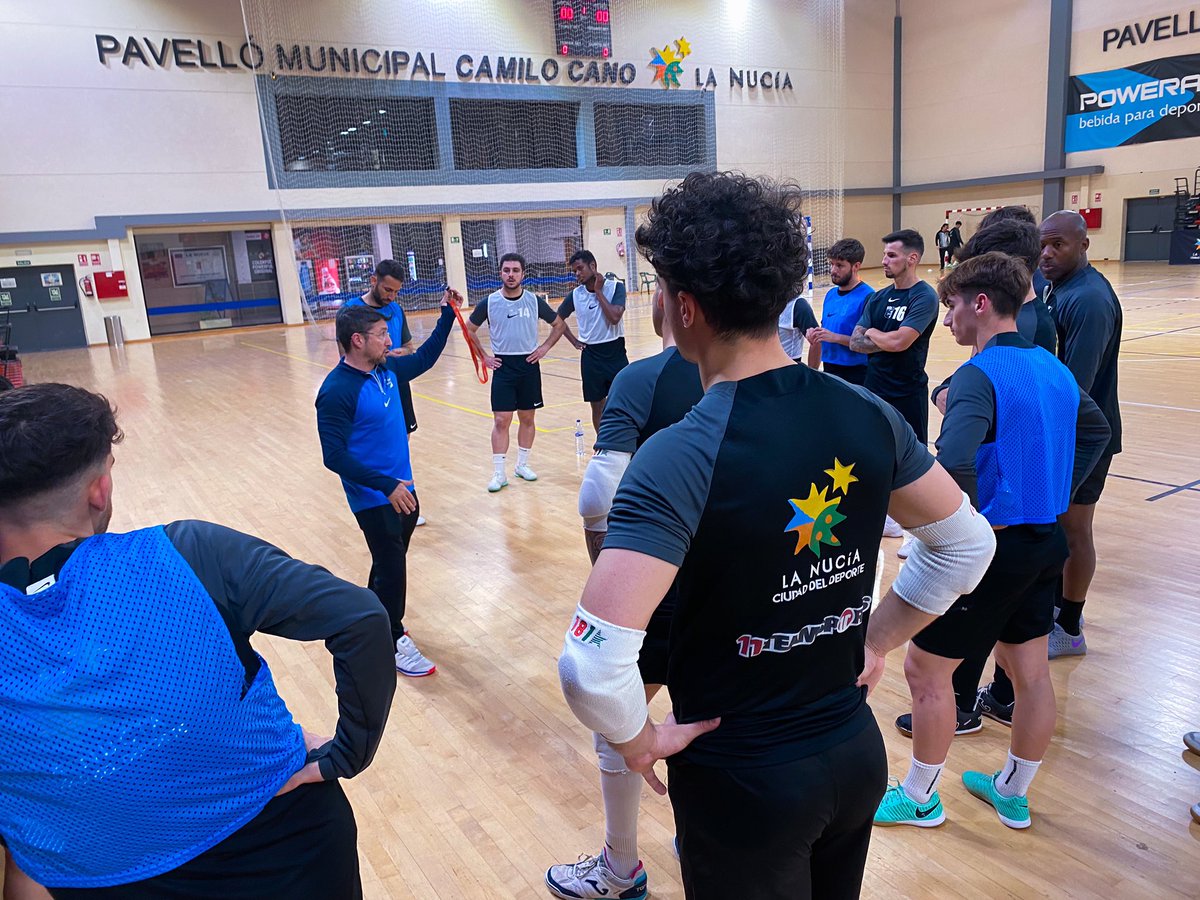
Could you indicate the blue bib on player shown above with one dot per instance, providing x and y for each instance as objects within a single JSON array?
[
  {"x": 1024, "y": 476},
  {"x": 132, "y": 742}
]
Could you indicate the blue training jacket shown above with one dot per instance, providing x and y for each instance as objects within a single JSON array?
[{"x": 360, "y": 421}]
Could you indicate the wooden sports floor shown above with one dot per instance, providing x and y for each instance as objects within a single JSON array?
[{"x": 484, "y": 778}]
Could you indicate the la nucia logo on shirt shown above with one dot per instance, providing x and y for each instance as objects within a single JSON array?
[{"x": 815, "y": 517}]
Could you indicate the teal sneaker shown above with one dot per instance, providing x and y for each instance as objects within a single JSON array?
[
  {"x": 1013, "y": 811},
  {"x": 897, "y": 809}
]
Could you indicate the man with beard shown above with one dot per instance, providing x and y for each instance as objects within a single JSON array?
[
  {"x": 383, "y": 298},
  {"x": 599, "y": 304},
  {"x": 1087, "y": 316},
  {"x": 148, "y": 753},
  {"x": 364, "y": 439},
  {"x": 841, "y": 310},
  {"x": 894, "y": 331}
]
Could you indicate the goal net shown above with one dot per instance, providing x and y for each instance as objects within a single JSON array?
[
  {"x": 443, "y": 135},
  {"x": 973, "y": 215}
]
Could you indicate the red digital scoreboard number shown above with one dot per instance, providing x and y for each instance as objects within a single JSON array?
[{"x": 583, "y": 28}]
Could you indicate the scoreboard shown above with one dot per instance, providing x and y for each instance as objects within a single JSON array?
[{"x": 583, "y": 28}]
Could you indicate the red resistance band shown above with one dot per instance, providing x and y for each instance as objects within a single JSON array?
[{"x": 481, "y": 371}]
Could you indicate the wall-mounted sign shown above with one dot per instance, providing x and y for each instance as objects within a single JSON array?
[
  {"x": 24, "y": 262},
  {"x": 1158, "y": 100},
  {"x": 1154, "y": 192},
  {"x": 95, "y": 259},
  {"x": 51, "y": 279},
  {"x": 196, "y": 265},
  {"x": 1160, "y": 29},
  {"x": 55, "y": 294},
  {"x": 9, "y": 283},
  {"x": 81, "y": 258},
  {"x": 5, "y": 299}
]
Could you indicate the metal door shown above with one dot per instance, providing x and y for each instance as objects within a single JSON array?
[
  {"x": 1148, "y": 225},
  {"x": 43, "y": 307}
]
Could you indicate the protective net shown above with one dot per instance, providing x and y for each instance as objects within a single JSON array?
[{"x": 443, "y": 135}]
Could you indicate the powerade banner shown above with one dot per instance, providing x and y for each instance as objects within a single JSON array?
[{"x": 1152, "y": 101}]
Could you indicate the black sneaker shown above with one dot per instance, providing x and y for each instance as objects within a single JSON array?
[
  {"x": 989, "y": 706},
  {"x": 968, "y": 723}
]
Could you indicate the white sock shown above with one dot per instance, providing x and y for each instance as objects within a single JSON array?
[
  {"x": 622, "y": 796},
  {"x": 523, "y": 455},
  {"x": 1016, "y": 776},
  {"x": 498, "y": 464},
  {"x": 921, "y": 781}
]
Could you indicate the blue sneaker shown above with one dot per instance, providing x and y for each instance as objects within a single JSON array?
[
  {"x": 897, "y": 809},
  {"x": 1013, "y": 811},
  {"x": 591, "y": 878}
]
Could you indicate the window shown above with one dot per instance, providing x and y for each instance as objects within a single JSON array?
[
  {"x": 344, "y": 134},
  {"x": 513, "y": 134},
  {"x": 650, "y": 134}
]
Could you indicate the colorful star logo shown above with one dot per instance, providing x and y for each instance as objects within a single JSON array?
[
  {"x": 815, "y": 517},
  {"x": 668, "y": 62},
  {"x": 1196, "y": 249}
]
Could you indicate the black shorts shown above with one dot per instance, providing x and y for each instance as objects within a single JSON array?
[
  {"x": 853, "y": 374},
  {"x": 1093, "y": 486},
  {"x": 796, "y": 830},
  {"x": 303, "y": 846},
  {"x": 1014, "y": 602},
  {"x": 914, "y": 409},
  {"x": 517, "y": 384},
  {"x": 599, "y": 365}
]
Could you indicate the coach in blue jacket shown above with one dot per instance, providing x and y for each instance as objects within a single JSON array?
[{"x": 364, "y": 439}]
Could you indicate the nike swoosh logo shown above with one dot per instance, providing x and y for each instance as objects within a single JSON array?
[
  {"x": 922, "y": 813},
  {"x": 513, "y": 315}
]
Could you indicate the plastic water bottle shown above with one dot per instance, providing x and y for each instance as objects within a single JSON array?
[{"x": 579, "y": 437}]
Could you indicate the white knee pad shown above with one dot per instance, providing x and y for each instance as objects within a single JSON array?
[{"x": 611, "y": 762}]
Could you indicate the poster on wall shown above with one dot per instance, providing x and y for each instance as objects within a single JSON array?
[
  {"x": 261, "y": 254},
  {"x": 196, "y": 265},
  {"x": 1158, "y": 100},
  {"x": 359, "y": 270},
  {"x": 328, "y": 279}
]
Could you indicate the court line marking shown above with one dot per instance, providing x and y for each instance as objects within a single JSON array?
[
  {"x": 1160, "y": 406},
  {"x": 466, "y": 409},
  {"x": 1175, "y": 490}
]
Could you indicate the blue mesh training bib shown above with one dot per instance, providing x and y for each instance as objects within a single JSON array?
[{"x": 132, "y": 743}]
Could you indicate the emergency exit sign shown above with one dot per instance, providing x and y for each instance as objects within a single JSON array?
[{"x": 24, "y": 262}]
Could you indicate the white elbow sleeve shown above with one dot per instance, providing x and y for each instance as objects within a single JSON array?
[
  {"x": 948, "y": 559},
  {"x": 600, "y": 678},
  {"x": 599, "y": 486}
]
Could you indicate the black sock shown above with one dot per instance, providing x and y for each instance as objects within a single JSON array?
[
  {"x": 1068, "y": 616},
  {"x": 1002, "y": 687}
]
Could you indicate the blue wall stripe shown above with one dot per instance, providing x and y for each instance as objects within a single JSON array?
[{"x": 211, "y": 307}]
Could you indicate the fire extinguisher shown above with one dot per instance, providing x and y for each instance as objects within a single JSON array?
[{"x": 85, "y": 286}]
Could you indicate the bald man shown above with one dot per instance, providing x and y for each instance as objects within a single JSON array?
[{"x": 1087, "y": 317}]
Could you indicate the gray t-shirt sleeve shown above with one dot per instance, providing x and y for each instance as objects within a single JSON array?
[
  {"x": 661, "y": 498},
  {"x": 922, "y": 308},
  {"x": 546, "y": 312},
  {"x": 970, "y": 417},
  {"x": 803, "y": 316},
  {"x": 567, "y": 306},
  {"x": 627, "y": 410},
  {"x": 479, "y": 314},
  {"x": 913, "y": 459}
]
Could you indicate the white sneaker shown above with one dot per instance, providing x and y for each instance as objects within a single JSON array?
[
  {"x": 498, "y": 481},
  {"x": 892, "y": 529},
  {"x": 410, "y": 661},
  {"x": 591, "y": 877},
  {"x": 906, "y": 546},
  {"x": 420, "y": 520},
  {"x": 525, "y": 472}
]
